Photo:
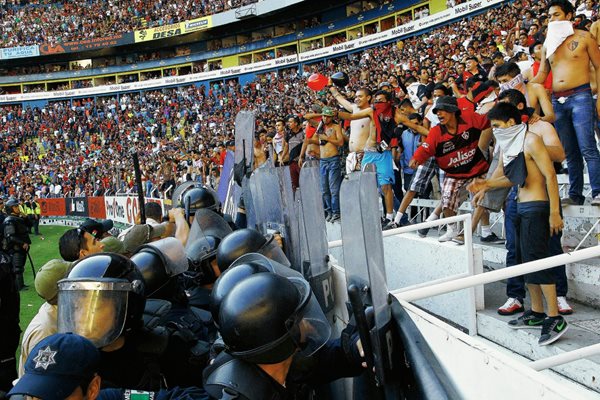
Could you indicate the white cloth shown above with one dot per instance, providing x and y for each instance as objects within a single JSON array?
[
  {"x": 511, "y": 141},
  {"x": 558, "y": 31},
  {"x": 351, "y": 162}
]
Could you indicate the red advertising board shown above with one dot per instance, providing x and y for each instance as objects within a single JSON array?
[
  {"x": 53, "y": 207},
  {"x": 96, "y": 207}
]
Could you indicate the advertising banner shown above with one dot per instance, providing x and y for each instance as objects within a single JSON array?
[
  {"x": 53, "y": 207},
  {"x": 96, "y": 43},
  {"x": 166, "y": 31},
  {"x": 77, "y": 206},
  {"x": 96, "y": 207},
  {"x": 124, "y": 209},
  {"x": 19, "y": 52}
]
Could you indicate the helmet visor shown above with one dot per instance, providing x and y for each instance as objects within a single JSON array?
[
  {"x": 309, "y": 326},
  {"x": 96, "y": 310}
]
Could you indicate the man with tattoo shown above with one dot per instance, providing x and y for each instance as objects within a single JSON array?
[
  {"x": 568, "y": 53},
  {"x": 330, "y": 139}
]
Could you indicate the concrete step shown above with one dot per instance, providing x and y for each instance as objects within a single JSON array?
[
  {"x": 583, "y": 277},
  {"x": 584, "y": 330}
]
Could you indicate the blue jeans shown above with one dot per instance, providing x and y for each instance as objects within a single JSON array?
[
  {"x": 515, "y": 287},
  {"x": 575, "y": 127},
  {"x": 331, "y": 180}
]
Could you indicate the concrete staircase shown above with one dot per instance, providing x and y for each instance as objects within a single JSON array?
[
  {"x": 583, "y": 295},
  {"x": 584, "y": 330}
]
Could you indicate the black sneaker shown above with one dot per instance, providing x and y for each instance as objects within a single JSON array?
[
  {"x": 527, "y": 321},
  {"x": 423, "y": 232},
  {"x": 569, "y": 201},
  {"x": 492, "y": 239},
  {"x": 552, "y": 329}
]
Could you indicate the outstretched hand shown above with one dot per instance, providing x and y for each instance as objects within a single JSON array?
[{"x": 477, "y": 185}]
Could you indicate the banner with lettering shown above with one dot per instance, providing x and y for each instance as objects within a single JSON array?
[{"x": 77, "y": 206}]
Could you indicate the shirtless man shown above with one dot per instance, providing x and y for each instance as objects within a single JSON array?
[
  {"x": 260, "y": 149},
  {"x": 330, "y": 139},
  {"x": 359, "y": 129},
  {"x": 526, "y": 163},
  {"x": 572, "y": 98},
  {"x": 515, "y": 287},
  {"x": 374, "y": 153}
]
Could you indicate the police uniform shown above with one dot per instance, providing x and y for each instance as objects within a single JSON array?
[
  {"x": 9, "y": 321},
  {"x": 267, "y": 314},
  {"x": 148, "y": 359},
  {"x": 14, "y": 236}
]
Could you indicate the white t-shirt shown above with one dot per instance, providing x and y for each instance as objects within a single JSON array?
[{"x": 44, "y": 324}]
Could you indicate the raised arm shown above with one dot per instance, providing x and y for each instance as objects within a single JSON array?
[
  {"x": 367, "y": 112},
  {"x": 543, "y": 71},
  {"x": 340, "y": 99}
]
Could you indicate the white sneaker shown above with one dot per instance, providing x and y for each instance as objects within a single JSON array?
[
  {"x": 448, "y": 236},
  {"x": 563, "y": 307},
  {"x": 596, "y": 200}
]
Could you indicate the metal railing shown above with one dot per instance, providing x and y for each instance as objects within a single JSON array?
[{"x": 459, "y": 283}]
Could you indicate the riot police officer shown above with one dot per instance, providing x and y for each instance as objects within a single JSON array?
[
  {"x": 245, "y": 241},
  {"x": 15, "y": 239},
  {"x": 103, "y": 299},
  {"x": 206, "y": 234},
  {"x": 275, "y": 335},
  {"x": 9, "y": 296},
  {"x": 197, "y": 197}
]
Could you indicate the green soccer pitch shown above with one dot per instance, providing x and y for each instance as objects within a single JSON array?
[{"x": 43, "y": 249}]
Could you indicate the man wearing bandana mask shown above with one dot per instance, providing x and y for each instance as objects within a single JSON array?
[
  {"x": 568, "y": 54},
  {"x": 384, "y": 119},
  {"x": 509, "y": 76},
  {"x": 525, "y": 162}
]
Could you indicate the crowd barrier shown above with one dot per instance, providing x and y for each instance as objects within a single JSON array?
[{"x": 121, "y": 209}]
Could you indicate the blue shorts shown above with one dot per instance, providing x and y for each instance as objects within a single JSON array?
[{"x": 383, "y": 163}]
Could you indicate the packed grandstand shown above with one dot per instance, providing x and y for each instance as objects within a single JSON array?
[{"x": 64, "y": 147}]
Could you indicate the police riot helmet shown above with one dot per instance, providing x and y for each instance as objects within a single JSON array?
[
  {"x": 10, "y": 204},
  {"x": 266, "y": 318},
  {"x": 159, "y": 262},
  {"x": 201, "y": 254},
  {"x": 245, "y": 241},
  {"x": 198, "y": 198},
  {"x": 101, "y": 299},
  {"x": 228, "y": 279}
]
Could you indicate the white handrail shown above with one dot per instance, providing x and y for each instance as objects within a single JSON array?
[
  {"x": 565, "y": 358},
  {"x": 422, "y": 225},
  {"x": 493, "y": 276}
]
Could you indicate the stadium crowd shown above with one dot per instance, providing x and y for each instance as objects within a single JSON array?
[
  {"x": 64, "y": 148},
  {"x": 65, "y": 21}
]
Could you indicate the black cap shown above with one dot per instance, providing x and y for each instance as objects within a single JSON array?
[
  {"x": 446, "y": 103},
  {"x": 96, "y": 228}
]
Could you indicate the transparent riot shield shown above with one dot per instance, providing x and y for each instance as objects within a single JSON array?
[
  {"x": 313, "y": 235},
  {"x": 364, "y": 262},
  {"x": 207, "y": 223},
  {"x": 244, "y": 138},
  {"x": 275, "y": 210}
]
